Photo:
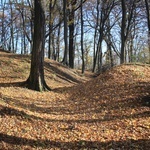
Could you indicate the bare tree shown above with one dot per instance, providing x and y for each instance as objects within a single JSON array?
[
  {"x": 82, "y": 50},
  {"x": 128, "y": 8},
  {"x": 105, "y": 7}
]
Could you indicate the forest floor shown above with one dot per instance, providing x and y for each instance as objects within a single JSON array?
[{"x": 82, "y": 112}]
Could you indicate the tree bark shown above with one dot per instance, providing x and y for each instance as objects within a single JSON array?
[
  {"x": 58, "y": 41},
  {"x": 50, "y": 29},
  {"x": 71, "y": 33},
  {"x": 36, "y": 79},
  {"x": 127, "y": 17},
  {"x": 65, "y": 61},
  {"x": 71, "y": 40},
  {"x": 147, "y": 3},
  {"x": 3, "y": 28},
  {"x": 123, "y": 25},
  {"x": 12, "y": 29},
  {"x": 95, "y": 36},
  {"x": 82, "y": 50}
]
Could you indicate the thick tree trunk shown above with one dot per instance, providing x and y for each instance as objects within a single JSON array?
[
  {"x": 123, "y": 26},
  {"x": 71, "y": 33},
  {"x": 71, "y": 42},
  {"x": 147, "y": 3},
  {"x": 36, "y": 78}
]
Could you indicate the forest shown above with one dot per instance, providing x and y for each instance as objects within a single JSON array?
[
  {"x": 75, "y": 74},
  {"x": 97, "y": 32}
]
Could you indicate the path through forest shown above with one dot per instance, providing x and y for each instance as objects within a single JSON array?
[{"x": 111, "y": 111}]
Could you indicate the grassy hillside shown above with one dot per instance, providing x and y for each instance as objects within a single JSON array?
[{"x": 108, "y": 112}]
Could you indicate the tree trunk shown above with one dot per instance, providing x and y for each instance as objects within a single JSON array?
[
  {"x": 16, "y": 44},
  {"x": 99, "y": 53},
  {"x": 50, "y": 29},
  {"x": 71, "y": 33},
  {"x": 95, "y": 36},
  {"x": 82, "y": 50},
  {"x": 123, "y": 26},
  {"x": 3, "y": 28},
  {"x": 30, "y": 3},
  {"x": 12, "y": 29},
  {"x": 147, "y": 3},
  {"x": 71, "y": 42},
  {"x": 65, "y": 61},
  {"x": 126, "y": 25},
  {"x": 58, "y": 41},
  {"x": 36, "y": 79},
  {"x": 53, "y": 47},
  {"x": 24, "y": 36}
]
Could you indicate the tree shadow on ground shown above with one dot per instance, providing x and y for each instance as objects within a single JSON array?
[
  {"x": 7, "y": 111},
  {"x": 130, "y": 144},
  {"x": 87, "y": 109},
  {"x": 20, "y": 114},
  {"x": 13, "y": 84},
  {"x": 146, "y": 100},
  {"x": 63, "y": 89},
  {"x": 60, "y": 73}
]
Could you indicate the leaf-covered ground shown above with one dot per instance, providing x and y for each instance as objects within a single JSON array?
[{"x": 109, "y": 112}]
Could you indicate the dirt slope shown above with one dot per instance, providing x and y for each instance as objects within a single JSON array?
[
  {"x": 15, "y": 68},
  {"x": 110, "y": 112}
]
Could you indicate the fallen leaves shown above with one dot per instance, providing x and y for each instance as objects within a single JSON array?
[{"x": 107, "y": 112}]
